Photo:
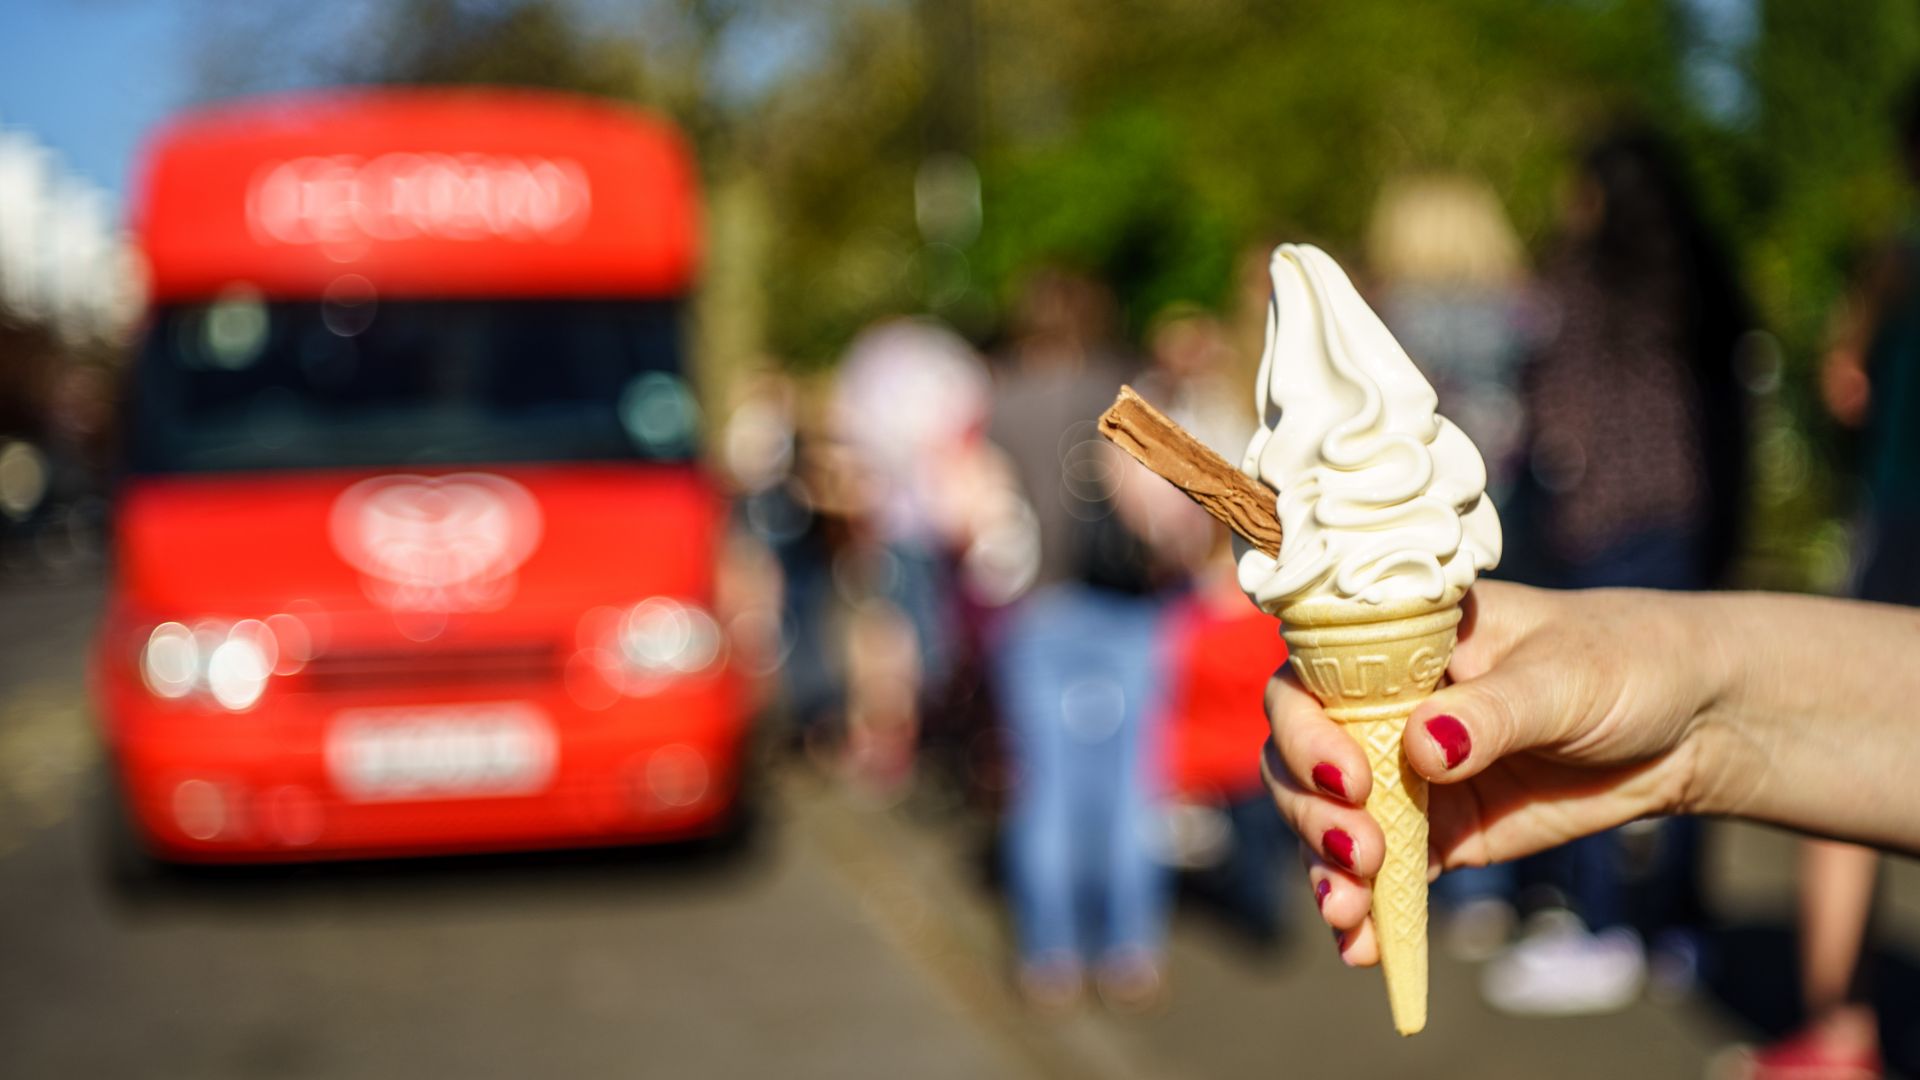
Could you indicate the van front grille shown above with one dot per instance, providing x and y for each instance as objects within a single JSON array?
[{"x": 507, "y": 663}]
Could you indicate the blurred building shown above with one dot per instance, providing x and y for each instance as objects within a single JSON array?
[
  {"x": 65, "y": 266},
  {"x": 69, "y": 292}
]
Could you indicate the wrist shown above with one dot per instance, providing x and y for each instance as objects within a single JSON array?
[{"x": 1715, "y": 738}]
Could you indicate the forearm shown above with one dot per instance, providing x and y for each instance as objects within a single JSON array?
[{"x": 1813, "y": 719}]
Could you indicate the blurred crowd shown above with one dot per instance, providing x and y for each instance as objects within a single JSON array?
[{"x": 986, "y": 606}]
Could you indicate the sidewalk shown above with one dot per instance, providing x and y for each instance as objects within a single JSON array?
[{"x": 1297, "y": 1011}]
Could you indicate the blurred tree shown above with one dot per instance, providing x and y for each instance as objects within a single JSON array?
[
  {"x": 1816, "y": 184},
  {"x": 1241, "y": 119},
  {"x": 512, "y": 43},
  {"x": 1151, "y": 143}
]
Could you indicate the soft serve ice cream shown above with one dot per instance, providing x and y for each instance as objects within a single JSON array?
[
  {"x": 1381, "y": 498},
  {"x": 1384, "y": 525}
]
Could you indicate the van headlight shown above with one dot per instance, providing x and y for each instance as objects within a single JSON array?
[
  {"x": 644, "y": 649},
  {"x": 237, "y": 673},
  {"x": 661, "y": 637},
  {"x": 230, "y": 663}
]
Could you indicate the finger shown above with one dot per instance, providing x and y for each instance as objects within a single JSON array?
[
  {"x": 1358, "y": 947},
  {"x": 1526, "y": 701},
  {"x": 1342, "y": 898},
  {"x": 1317, "y": 754},
  {"x": 1343, "y": 835}
]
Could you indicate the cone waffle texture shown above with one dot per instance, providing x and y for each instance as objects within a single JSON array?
[{"x": 1369, "y": 666}]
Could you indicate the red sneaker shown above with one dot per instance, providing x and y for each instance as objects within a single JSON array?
[{"x": 1805, "y": 1055}]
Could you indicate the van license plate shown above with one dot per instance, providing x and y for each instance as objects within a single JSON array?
[{"x": 440, "y": 752}]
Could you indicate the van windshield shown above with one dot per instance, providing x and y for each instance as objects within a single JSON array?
[{"x": 349, "y": 381}]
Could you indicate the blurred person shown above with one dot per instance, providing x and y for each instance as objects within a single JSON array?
[
  {"x": 1450, "y": 278},
  {"x": 1638, "y": 435},
  {"x": 1193, "y": 373},
  {"x": 1840, "y": 1037},
  {"x": 909, "y": 404},
  {"x": 1224, "y": 829},
  {"x": 1637, "y": 462},
  {"x": 997, "y": 553},
  {"x": 1870, "y": 382},
  {"x": 756, "y": 450},
  {"x": 1224, "y": 826},
  {"x": 1077, "y": 660},
  {"x": 1450, "y": 282}
]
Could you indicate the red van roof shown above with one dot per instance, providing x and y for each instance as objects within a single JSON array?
[{"x": 443, "y": 192}]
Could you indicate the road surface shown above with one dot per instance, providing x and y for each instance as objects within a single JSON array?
[{"x": 851, "y": 942}]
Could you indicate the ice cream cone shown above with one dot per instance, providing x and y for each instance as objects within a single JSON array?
[
  {"x": 1370, "y": 665},
  {"x": 1342, "y": 503}
]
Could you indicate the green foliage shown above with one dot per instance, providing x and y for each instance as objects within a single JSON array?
[
  {"x": 836, "y": 150},
  {"x": 1151, "y": 143},
  {"x": 1809, "y": 191},
  {"x": 1825, "y": 178},
  {"x": 501, "y": 43},
  {"x": 1211, "y": 126},
  {"x": 1114, "y": 201}
]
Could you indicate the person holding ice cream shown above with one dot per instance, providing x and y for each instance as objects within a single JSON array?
[{"x": 1566, "y": 713}]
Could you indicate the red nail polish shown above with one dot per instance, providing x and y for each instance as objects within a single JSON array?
[
  {"x": 1328, "y": 779},
  {"x": 1339, "y": 847},
  {"x": 1320, "y": 892},
  {"x": 1340, "y": 940},
  {"x": 1452, "y": 737}
]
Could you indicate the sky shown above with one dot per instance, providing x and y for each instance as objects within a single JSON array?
[{"x": 88, "y": 78}]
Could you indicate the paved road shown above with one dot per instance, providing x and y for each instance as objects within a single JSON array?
[
  {"x": 856, "y": 943},
  {"x": 583, "y": 967}
]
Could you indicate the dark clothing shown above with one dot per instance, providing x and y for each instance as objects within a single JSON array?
[
  {"x": 1617, "y": 418},
  {"x": 1889, "y": 560},
  {"x": 1046, "y": 422},
  {"x": 1891, "y": 445},
  {"x": 1639, "y": 421},
  {"x": 1885, "y": 567}
]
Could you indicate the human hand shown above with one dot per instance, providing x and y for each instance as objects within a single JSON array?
[{"x": 1568, "y": 713}]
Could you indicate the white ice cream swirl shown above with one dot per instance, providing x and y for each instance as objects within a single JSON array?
[{"x": 1381, "y": 498}]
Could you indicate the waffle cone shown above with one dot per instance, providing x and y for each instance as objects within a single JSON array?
[{"x": 1370, "y": 665}]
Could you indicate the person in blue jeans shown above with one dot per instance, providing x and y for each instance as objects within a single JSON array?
[
  {"x": 1076, "y": 658},
  {"x": 1079, "y": 675}
]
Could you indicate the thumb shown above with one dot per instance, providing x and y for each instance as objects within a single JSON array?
[{"x": 1465, "y": 727}]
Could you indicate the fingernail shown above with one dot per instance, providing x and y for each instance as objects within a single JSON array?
[
  {"x": 1451, "y": 736},
  {"x": 1320, "y": 892},
  {"x": 1339, "y": 847},
  {"x": 1328, "y": 779},
  {"x": 1340, "y": 940}
]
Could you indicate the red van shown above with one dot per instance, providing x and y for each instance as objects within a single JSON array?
[{"x": 412, "y": 550}]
